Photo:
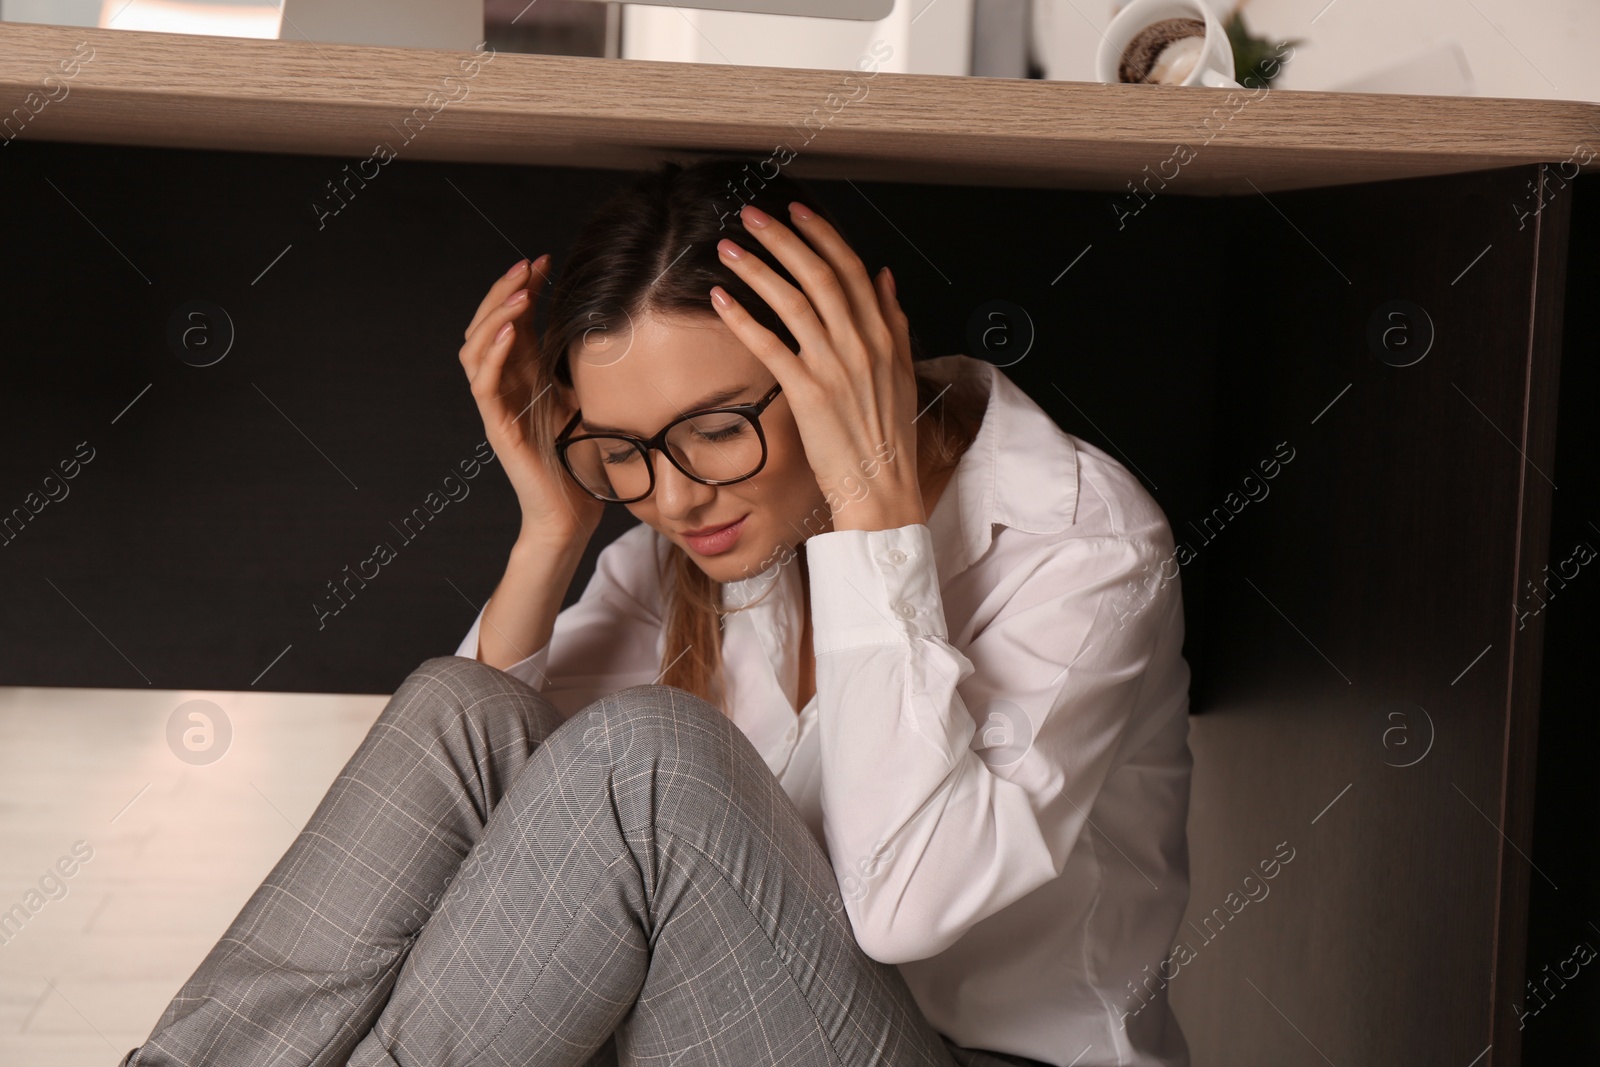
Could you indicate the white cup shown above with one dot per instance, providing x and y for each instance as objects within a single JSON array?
[{"x": 1213, "y": 68}]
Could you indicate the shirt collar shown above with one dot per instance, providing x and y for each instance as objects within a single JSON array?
[{"x": 1021, "y": 471}]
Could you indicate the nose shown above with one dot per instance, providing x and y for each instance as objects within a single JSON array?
[{"x": 676, "y": 493}]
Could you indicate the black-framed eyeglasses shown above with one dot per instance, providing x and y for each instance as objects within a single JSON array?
[{"x": 717, "y": 446}]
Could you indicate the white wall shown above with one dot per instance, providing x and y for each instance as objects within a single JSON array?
[
  {"x": 926, "y": 36},
  {"x": 1515, "y": 48}
]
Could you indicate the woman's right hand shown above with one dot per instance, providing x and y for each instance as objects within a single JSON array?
[{"x": 500, "y": 337}]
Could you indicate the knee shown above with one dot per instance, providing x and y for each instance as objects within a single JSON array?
[
  {"x": 668, "y": 755},
  {"x": 443, "y": 689},
  {"x": 665, "y": 701},
  {"x": 451, "y": 670},
  {"x": 649, "y": 759},
  {"x": 660, "y": 709},
  {"x": 456, "y": 675},
  {"x": 645, "y": 722}
]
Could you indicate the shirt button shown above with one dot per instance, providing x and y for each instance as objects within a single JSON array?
[
  {"x": 896, "y": 556},
  {"x": 906, "y": 610}
]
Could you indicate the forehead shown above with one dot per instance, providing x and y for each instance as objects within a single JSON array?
[{"x": 638, "y": 380}]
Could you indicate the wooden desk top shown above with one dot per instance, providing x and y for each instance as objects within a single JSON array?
[{"x": 176, "y": 90}]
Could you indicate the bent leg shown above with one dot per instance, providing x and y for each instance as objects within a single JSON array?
[
  {"x": 309, "y": 962},
  {"x": 646, "y": 876}
]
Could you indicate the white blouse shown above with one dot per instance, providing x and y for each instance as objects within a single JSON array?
[{"x": 996, "y": 758}]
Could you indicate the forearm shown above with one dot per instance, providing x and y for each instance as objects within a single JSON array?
[{"x": 520, "y": 616}]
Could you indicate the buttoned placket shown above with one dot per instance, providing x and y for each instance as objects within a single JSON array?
[
  {"x": 769, "y": 619},
  {"x": 785, "y": 654}
]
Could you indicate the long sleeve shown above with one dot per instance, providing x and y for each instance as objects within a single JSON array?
[
  {"x": 609, "y": 639},
  {"x": 933, "y": 825}
]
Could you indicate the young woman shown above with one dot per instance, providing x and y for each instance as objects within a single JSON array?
[{"x": 868, "y": 745}]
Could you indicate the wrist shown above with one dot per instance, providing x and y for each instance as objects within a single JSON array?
[
  {"x": 871, "y": 513},
  {"x": 547, "y": 546}
]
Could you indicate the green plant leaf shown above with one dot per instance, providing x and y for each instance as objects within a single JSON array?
[{"x": 1251, "y": 53}]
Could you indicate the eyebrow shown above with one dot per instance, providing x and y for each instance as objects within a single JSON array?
[{"x": 710, "y": 400}]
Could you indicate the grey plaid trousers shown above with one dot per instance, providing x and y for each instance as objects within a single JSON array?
[{"x": 486, "y": 883}]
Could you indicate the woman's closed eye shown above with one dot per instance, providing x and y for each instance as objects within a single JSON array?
[{"x": 724, "y": 433}]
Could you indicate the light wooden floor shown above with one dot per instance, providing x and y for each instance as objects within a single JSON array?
[{"x": 177, "y": 849}]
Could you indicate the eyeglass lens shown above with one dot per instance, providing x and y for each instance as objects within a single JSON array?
[{"x": 716, "y": 447}]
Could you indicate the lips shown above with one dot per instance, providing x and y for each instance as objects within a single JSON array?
[
  {"x": 709, "y": 529},
  {"x": 721, "y": 538}
]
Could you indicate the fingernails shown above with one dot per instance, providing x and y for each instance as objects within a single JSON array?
[
  {"x": 800, "y": 211},
  {"x": 730, "y": 250},
  {"x": 501, "y": 336},
  {"x": 754, "y": 216},
  {"x": 517, "y": 297},
  {"x": 889, "y": 274},
  {"x": 515, "y": 267},
  {"x": 720, "y": 297}
]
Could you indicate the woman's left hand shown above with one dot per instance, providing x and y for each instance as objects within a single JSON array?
[{"x": 852, "y": 387}]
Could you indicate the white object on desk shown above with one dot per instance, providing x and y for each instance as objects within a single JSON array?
[
  {"x": 916, "y": 37},
  {"x": 1214, "y": 64}
]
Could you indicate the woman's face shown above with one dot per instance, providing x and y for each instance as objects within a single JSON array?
[{"x": 667, "y": 368}]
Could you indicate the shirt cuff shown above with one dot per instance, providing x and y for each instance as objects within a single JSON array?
[
  {"x": 531, "y": 669},
  {"x": 873, "y": 587}
]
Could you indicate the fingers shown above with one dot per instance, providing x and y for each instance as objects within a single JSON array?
[
  {"x": 836, "y": 287},
  {"x": 823, "y": 291},
  {"x": 846, "y": 266},
  {"x": 791, "y": 373},
  {"x": 486, "y": 335},
  {"x": 497, "y": 395},
  {"x": 792, "y": 306},
  {"x": 494, "y": 313},
  {"x": 491, "y": 366},
  {"x": 517, "y": 277},
  {"x": 899, "y": 324}
]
